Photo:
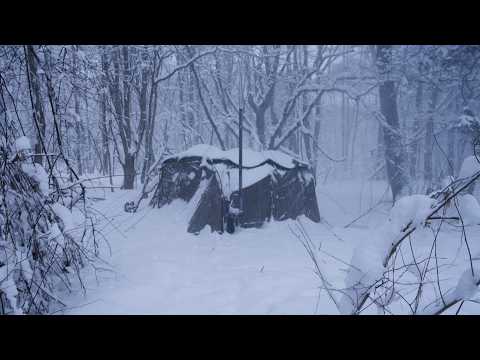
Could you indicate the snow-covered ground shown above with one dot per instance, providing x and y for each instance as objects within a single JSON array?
[{"x": 158, "y": 268}]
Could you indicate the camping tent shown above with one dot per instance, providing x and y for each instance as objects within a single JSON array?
[{"x": 275, "y": 185}]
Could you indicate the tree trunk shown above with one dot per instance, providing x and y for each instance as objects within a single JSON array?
[
  {"x": 316, "y": 137},
  {"x": 104, "y": 125},
  {"x": 129, "y": 172},
  {"x": 394, "y": 155},
  {"x": 307, "y": 139},
  {"x": 39, "y": 114},
  {"x": 416, "y": 126},
  {"x": 88, "y": 140},
  {"x": 194, "y": 125},
  {"x": 293, "y": 71},
  {"x": 78, "y": 126},
  {"x": 428, "y": 160},
  {"x": 129, "y": 165},
  {"x": 181, "y": 104},
  {"x": 451, "y": 150},
  {"x": 106, "y": 170},
  {"x": 260, "y": 122},
  {"x": 152, "y": 110}
]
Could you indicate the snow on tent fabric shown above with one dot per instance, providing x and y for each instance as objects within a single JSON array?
[{"x": 275, "y": 185}]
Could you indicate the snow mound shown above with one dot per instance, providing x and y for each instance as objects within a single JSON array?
[
  {"x": 414, "y": 209},
  {"x": 366, "y": 265}
]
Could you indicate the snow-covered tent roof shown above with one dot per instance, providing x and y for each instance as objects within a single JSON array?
[
  {"x": 229, "y": 179},
  {"x": 251, "y": 158}
]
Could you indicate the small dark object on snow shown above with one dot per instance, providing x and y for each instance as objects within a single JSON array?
[
  {"x": 230, "y": 223},
  {"x": 129, "y": 206}
]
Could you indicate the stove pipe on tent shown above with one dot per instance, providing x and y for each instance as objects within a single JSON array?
[{"x": 240, "y": 158}]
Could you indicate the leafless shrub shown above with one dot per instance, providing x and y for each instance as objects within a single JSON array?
[
  {"x": 405, "y": 273},
  {"x": 39, "y": 253}
]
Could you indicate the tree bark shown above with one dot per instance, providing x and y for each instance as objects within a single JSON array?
[
  {"x": 39, "y": 114},
  {"x": 394, "y": 154},
  {"x": 316, "y": 136},
  {"x": 428, "y": 159},
  {"x": 103, "y": 117},
  {"x": 78, "y": 126},
  {"x": 129, "y": 152},
  {"x": 152, "y": 110},
  {"x": 416, "y": 126},
  {"x": 129, "y": 172}
]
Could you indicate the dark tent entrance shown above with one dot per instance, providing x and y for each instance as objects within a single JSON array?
[{"x": 275, "y": 186}]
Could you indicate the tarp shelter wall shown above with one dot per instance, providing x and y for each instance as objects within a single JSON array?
[
  {"x": 295, "y": 194},
  {"x": 178, "y": 180},
  {"x": 209, "y": 210},
  {"x": 257, "y": 202}
]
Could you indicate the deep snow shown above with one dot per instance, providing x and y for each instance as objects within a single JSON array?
[{"x": 159, "y": 268}]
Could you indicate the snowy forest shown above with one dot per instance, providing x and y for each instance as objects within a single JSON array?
[{"x": 357, "y": 174}]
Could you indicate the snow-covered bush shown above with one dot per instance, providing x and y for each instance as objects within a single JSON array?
[
  {"x": 40, "y": 253},
  {"x": 393, "y": 269}
]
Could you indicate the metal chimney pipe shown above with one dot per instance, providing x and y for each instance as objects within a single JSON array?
[{"x": 240, "y": 158}]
